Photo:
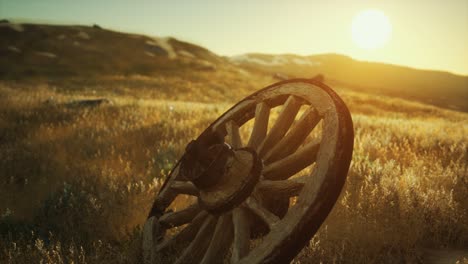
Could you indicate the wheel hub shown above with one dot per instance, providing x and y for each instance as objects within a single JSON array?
[{"x": 224, "y": 176}]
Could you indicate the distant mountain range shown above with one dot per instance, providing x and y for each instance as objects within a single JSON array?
[{"x": 50, "y": 51}]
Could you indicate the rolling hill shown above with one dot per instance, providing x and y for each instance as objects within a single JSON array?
[
  {"x": 92, "y": 121},
  {"x": 30, "y": 51},
  {"x": 432, "y": 87}
]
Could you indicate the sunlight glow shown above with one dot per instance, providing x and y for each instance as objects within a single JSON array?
[{"x": 371, "y": 29}]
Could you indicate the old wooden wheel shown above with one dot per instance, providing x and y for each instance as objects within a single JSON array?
[{"x": 259, "y": 181}]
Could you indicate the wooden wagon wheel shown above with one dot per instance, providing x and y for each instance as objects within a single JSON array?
[{"x": 233, "y": 181}]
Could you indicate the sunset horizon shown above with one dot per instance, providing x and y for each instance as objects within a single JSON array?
[
  {"x": 288, "y": 33},
  {"x": 209, "y": 131}
]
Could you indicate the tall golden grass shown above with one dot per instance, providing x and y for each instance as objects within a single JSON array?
[{"x": 77, "y": 182}]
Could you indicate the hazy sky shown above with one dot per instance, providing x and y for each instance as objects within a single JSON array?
[{"x": 428, "y": 34}]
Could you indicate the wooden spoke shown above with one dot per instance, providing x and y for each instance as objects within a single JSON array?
[
  {"x": 284, "y": 121},
  {"x": 184, "y": 187},
  {"x": 268, "y": 217},
  {"x": 284, "y": 188},
  {"x": 167, "y": 195},
  {"x": 180, "y": 217},
  {"x": 233, "y": 134},
  {"x": 185, "y": 235},
  {"x": 262, "y": 114},
  {"x": 150, "y": 236},
  {"x": 240, "y": 246},
  {"x": 295, "y": 137},
  {"x": 221, "y": 241},
  {"x": 194, "y": 252},
  {"x": 285, "y": 208},
  {"x": 292, "y": 164}
]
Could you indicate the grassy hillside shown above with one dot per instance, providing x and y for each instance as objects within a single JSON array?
[
  {"x": 77, "y": 179},
  {"x": 437, "y": 88},
  {"x": 29, "y": 51}
]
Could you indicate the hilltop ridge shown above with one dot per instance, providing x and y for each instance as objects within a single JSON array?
[{"x": 56, "y": 51}]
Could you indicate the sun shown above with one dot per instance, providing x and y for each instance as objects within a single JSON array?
[{"x": 371, "y": 29}]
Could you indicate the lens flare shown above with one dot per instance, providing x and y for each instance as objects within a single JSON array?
[{"x": 371, "y": 29}]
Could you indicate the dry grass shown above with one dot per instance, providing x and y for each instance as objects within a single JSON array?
[{"x": 76, "y": 183}]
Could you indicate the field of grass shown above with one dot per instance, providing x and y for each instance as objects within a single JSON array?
[{"x": 76, "y": 183}]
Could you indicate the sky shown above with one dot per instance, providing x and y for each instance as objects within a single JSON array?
[{"x": 426, "y": 34}]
